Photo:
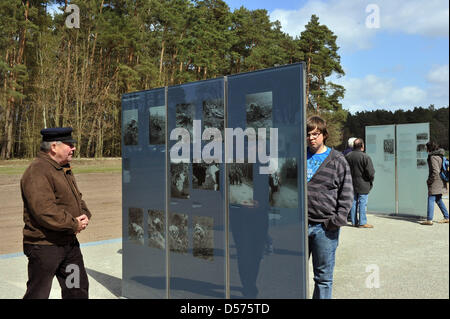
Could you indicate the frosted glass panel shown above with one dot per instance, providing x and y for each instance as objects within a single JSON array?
[
  {"x": 196, "y": 200},
  {"x": 412, "y": 168},
  {"x": 196, "y": 226},
  {"x": 268, "y": 254},
  {"x": 380, "y": 146},
  {"x": 143, "y": 202}
]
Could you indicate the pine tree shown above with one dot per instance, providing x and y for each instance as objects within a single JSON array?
[{"x": 318, "y": 43}]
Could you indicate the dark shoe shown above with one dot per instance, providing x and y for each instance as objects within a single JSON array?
[
  {"x": 269, "y": 249},
  {"x": 427, "y": 222},
  {"x": 365, "y": 226},
  {"x": 443, "y": 221}
]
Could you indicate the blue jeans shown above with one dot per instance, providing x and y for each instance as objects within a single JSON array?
[
  {"x": 359, "y": 203},
  {"x": 438, "y": 199},
  {"x": 322, "y": 245}
]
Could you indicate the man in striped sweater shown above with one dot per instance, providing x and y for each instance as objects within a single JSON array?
[{"x": 330, "y": 197}]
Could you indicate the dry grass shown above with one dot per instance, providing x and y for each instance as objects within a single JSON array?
[{"x": 83, "y": 165}]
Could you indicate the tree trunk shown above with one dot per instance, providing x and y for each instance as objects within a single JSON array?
[
  {"x": 308, "y": 79},
  {"x": 65, "y": 106},
  {"x": 7, "y": 147},
  {"x": 161, "y": 61}
]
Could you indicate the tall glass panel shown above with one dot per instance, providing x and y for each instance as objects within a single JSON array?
[
  {"x": 267, "y": 238},
  {"x": 380, "y": 146},
  {"x": 412, "y": 168},
  {"x": 196, "y": 219},
  {"x": 143, "y": 194}
]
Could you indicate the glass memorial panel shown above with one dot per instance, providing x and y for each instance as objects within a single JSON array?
[
  {"x": 412, "y": 168},
  {"x": 267, "y": 229},
  {"x": 380, "y": 146},
  {"x": 196, "y": 203},
  {"x": 143, "y": 195}
]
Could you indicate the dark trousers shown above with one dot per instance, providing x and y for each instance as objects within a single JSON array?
[{"x": 65, "y": 262}]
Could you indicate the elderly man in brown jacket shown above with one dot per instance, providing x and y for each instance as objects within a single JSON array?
[{"x": 54, "y": 213}]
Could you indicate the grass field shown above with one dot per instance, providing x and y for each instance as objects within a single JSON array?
[{"x": 79, "y": 166}]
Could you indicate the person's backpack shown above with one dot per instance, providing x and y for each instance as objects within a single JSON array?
[{"x": 444, "y": 169}]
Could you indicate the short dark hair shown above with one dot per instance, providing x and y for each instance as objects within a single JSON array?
[
  {"x": 316, "y": 122},
  {"x": 358, "y": 144},
  {"x": 432, "y": 146}
]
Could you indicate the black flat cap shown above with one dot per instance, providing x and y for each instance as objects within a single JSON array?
[{"x": 63, "y": 134}]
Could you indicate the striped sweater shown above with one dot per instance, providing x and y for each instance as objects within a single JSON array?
[{"x": 330, "y": 192}]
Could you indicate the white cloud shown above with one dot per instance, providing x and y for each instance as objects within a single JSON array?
[
  {"x": 347, "y": 19},
  {"x": 438, "y": 75},
  {"x": 373, "y": 92},
  {"x": 438, "y": 79}
]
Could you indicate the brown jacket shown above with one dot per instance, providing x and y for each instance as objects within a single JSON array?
[
  {"x": 51, "y": 203},
  {"x": 435, "y": 183}
]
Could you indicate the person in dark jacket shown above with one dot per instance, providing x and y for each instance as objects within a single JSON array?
[
  {"x": 363, "y": 175},
  {"x": 349, "y": 148},
  {"x": 436, "y": 185},
  {"x": 330, "y": 196},
  {"x": 54, "y": 213}
]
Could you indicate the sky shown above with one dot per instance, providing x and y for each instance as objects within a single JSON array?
[{"x": 395, "y": 53}]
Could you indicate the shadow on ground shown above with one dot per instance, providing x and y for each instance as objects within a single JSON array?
[
  {"x": 188, "y": 285},
  {"x": 113, "y": 284},
  {"x": 407, "y": 218}
]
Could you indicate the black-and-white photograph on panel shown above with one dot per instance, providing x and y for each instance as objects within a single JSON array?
[
  {"x": 259, "y": 111},
  {"x": 203, "y": 237},
  {"x": 130, "y": 127},
  {"x": 420, "y": 148},
  {"x": 157, "y": 125},
  {"x": 178, "y": 233},
  {"x": 422, "y": 137},
  {"x": 205, "y": 176},
  {"x": 421, "y": 151},
  {"x": 388, "y": 145},
  {"x": 179, "y": 178},
  {"x": 136, "y": 225},
  {"x": 213, "y": 115},
  {"x": 156, "y": 229},
  {"x": 185, "y": 114},
  {"x": 422, "y": 163},
  {"x": 283, "y": 188},
  {"x": 240, "y": 179}
]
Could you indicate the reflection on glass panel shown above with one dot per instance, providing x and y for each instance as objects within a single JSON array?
[
  {"x": 178, "y": 233},
  {"x": 136, "y": 225},
  {"x": 156, "y": 229},
  {"x": 130, "y": 126},
  {"x": 157, "y": 125},
  {"x": 203, "y": 237}
]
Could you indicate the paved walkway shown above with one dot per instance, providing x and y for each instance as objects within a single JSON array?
[{"x": 399, "y": 258}]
